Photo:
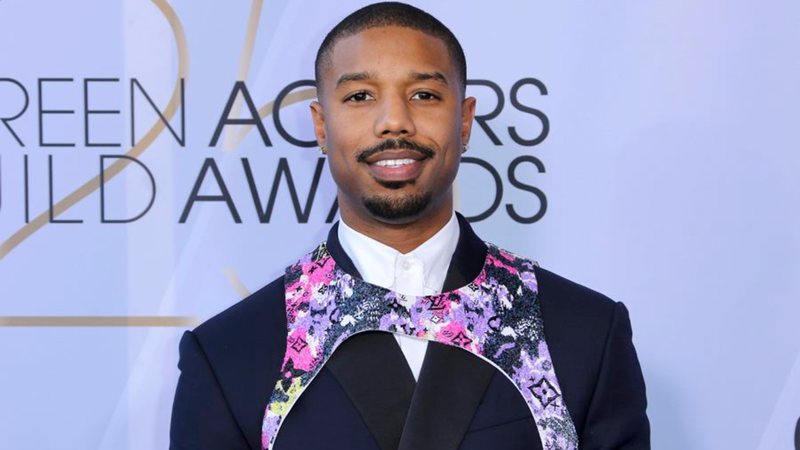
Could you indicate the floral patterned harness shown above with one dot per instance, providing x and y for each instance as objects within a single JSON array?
[{"x": 495, "y": 317}]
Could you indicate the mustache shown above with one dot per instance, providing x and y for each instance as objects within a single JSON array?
[{"x": 391, "y": 144}]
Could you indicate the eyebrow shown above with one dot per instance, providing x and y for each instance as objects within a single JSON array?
[
  {"x": 416, "y": 76},
  {"x": 425, "y": 76},
  {"x": 355, "y": 76}
]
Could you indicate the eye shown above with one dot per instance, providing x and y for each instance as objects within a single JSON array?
[
  {"x": 424, "y": 96},
  {"x": 358, "y": 97}
]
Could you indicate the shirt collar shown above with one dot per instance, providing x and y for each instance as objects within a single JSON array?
[{"x": 376, "y": 261}]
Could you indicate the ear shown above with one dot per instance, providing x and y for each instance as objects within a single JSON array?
[
  {"x": 467, "y": 114},
  {"x": 318, "y": 117}
]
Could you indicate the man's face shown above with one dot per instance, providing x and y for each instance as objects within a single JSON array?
[{"x": 391, "y": 116}]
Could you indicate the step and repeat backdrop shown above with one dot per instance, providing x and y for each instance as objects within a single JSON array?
[{"x": 157, "y": 164}]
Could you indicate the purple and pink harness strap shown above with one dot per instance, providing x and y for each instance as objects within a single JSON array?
[{"x": 495, "y": 317}]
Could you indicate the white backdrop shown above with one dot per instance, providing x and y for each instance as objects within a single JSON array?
[{"x": 669, "y": 166}]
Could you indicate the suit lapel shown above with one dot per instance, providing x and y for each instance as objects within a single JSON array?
[
  {"x": 450, "y": 388},
  {"x": 373, "y": 371}
]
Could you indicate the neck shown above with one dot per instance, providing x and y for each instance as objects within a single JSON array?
[{"x": 403, "y": 237}]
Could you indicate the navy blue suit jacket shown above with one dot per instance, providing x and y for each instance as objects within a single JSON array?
[{"x": 365, "y": 398}]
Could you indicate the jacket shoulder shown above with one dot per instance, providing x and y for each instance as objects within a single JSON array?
[
  {"x": 566, "y": 296},
  {"x": 248, "y": 336},
  {"x": 575, "y": 317},
  {"x": 258, "y": 315}
]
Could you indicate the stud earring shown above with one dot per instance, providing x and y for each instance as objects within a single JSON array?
[
  {"x": 322, "y": 150},
  {"x": 466, "y": 147}
]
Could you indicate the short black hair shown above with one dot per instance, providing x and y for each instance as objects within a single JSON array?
[{"x": 386, "y": 14}]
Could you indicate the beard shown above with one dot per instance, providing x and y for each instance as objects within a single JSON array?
[{"x": 394, "y": 209}]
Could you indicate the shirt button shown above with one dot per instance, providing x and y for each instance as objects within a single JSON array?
[{"x": 405, "y": 265}]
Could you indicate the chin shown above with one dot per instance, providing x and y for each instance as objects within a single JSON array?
[{"x": 396, "y": 209}]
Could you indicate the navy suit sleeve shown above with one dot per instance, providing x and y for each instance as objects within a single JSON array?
[
  {"x": 616, "y": 417},
  {"x": 201, "y": 416}
]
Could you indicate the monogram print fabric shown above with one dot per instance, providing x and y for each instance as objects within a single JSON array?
[{"x": 495, "y": 317}]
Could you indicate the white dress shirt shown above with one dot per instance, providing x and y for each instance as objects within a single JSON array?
[{"x": 422, "y": 271}]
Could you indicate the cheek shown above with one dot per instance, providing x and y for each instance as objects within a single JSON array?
[
  {"x": 343, "y": 121},
  {"x": 444, "y": 127},
  {"x": 345, "y": 173},
  {"x": 346, "y": 139},
  {"x": 338, "y": 168}
]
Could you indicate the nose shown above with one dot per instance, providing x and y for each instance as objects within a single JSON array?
[{"x": 394, "y": 118}]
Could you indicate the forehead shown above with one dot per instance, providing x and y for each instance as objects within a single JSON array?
[{"x": 386, "y": 51}]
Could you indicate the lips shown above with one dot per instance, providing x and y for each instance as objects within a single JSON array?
[{"x": 396, "y": 165}]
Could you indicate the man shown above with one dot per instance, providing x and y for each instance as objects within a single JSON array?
[{"x": 484, "y": 349}]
